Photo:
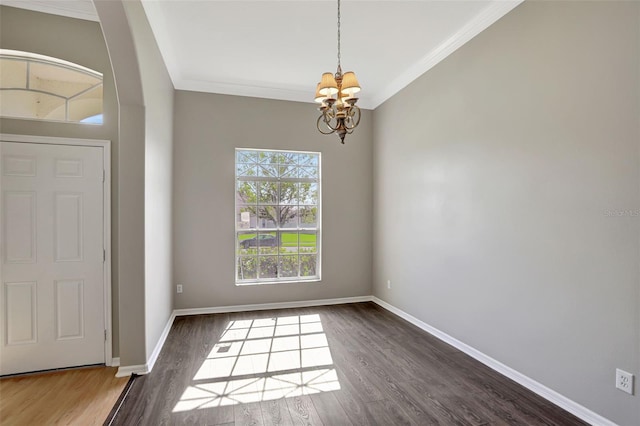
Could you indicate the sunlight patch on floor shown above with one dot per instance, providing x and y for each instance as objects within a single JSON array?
[{"x": 261, "y": 360}]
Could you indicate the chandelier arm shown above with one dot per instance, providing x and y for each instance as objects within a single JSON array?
[
  {"x": 356, "y": 112},
  {"x": 328, "y": 117},
  {"x": 326, "y": 123}
]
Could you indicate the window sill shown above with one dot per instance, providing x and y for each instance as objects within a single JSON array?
[{"x": 251, "y": 283}]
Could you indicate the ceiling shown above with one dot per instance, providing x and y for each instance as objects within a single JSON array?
[{"x": 279, "y": 49}]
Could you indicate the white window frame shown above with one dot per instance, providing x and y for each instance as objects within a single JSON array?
[{"x": 278, "y": 229}]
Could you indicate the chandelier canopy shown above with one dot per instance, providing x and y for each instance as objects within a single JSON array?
[{"x": 336, "y": 95}]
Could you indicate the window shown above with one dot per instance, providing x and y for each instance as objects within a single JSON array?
[
  {"x": 277, "y": 216},
  {"x": 39, "y": 87}
]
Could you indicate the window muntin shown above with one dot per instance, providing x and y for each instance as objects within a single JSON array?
[
  {"x": 40, "y": 87},
  {"x": 277, "y": 216}
]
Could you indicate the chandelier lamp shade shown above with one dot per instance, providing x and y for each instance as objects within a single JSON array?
[{"x": 336, "y": 96}]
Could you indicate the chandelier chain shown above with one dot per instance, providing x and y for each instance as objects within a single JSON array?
[
  {"x": 335, "y": 93},
  {"x": 339, "y": 34}
]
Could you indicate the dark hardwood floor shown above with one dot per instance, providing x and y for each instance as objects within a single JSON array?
[{"x": 354, "y": 364}]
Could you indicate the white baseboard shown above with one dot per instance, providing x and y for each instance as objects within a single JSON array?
[
  {"x": 267, "y": 306},
  {"x": 534, "y": 386},
  {"x": 115, "y": 362},
  {"x": 163, "y": 337},
  {"x": 124, "y": 371},
  {"x": 127, "y": 370}
]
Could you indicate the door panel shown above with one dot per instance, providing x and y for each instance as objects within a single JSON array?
[
  {"x": 19, "y": 215},
  {"x": 21, "y": 313},
  {"x": 69, "y": 309},
  {"x": 52, "y": 296},
  {"x": 68, "y": 227}
]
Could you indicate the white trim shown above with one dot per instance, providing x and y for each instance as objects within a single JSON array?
[
  {"x": 127, "y": 370},
  {"x": 277, "y": 230},
  {"x": 115, "y": 362},
  {"x": 254, "y": 91},
  {"x": 106, "y": 165},
  {"x": 106, "y": 242},
  {"x": 484, "y": 19},
  {"x": 481, "y": 22},
  {"x": 534, "y": 386},
  {"x": 124, "y": 371},
  {"x": 163, "y": 337},
  {"x": 549, "y": 394},
  {"x": 49, "y": 60},
  {"x": 268, "y": 306},
  {"x": 244, "y": 89},
  {"x": 54, "y": 140}
]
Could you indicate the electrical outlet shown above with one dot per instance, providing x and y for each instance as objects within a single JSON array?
[
  {"x": 624, "y": 381},
  {"x": 389, "y": 284},
  {"x": 179, "y": 288}
]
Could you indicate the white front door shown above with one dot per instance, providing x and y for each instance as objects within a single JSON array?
[{"x": 52, "y": 298}]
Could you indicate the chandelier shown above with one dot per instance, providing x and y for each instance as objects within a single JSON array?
[{"x": 335, "y": 93}]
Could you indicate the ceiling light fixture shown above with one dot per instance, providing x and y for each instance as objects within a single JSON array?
[{"x": 339, "y": 114}]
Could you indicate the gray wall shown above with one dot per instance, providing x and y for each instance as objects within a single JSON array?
[
  {"x": 131, "y": 212},
  {"x": 80, "y": 42},
  {"x": 145, "y": 96},
  {"x": 495, "y": 173},
  {"x": 207, "y": 129},
  {"x": 158, "y": 98}
]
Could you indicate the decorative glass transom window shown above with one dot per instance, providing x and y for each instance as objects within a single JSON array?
[
  {"x": 39, "y": 87},
  {"x": 277, "y": 216}
]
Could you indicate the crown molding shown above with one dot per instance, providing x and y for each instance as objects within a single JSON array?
[
  {"x": 84, "y": 9},
  {"x": 255, "y": 91},
  {"x": 244, "y": 89},
  {"x": 79, "y": 9},
  {"x": 481, "y": 22}
]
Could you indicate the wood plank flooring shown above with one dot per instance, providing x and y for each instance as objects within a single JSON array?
[
  {"x": 353, "y": 364},
  {"x": 81, "y": 396}
]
